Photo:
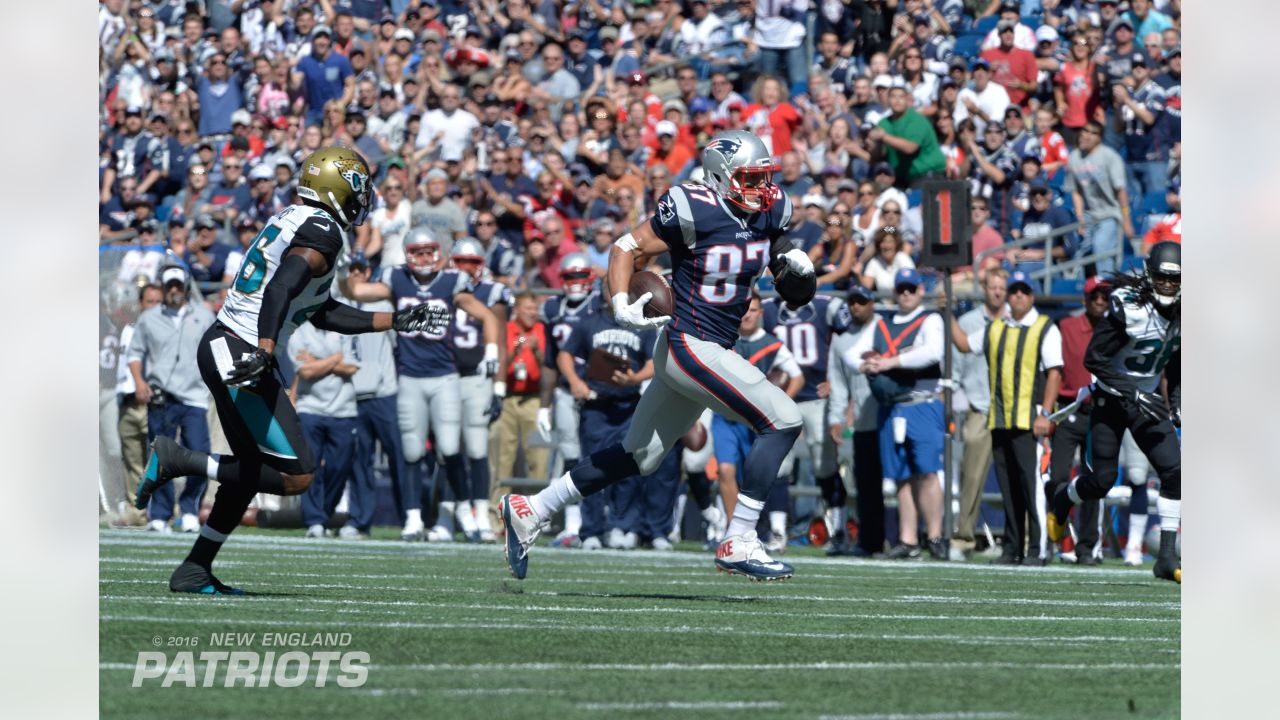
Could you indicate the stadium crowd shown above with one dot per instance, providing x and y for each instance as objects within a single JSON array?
[{"x": 524, "y": 137}]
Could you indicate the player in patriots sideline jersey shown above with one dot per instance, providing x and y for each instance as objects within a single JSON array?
[
  {"x": 430, "y": 399},
  {"x": 807, "y": 333},
  {"x": 284, "y": 280},
  {"x": 481, "y": 396},
  {"x": 733, "y": 439},
  {"x": 1138, "y": 342},
  {"x": 721, "y": 234},
  {"x": 559, "y": 414}
]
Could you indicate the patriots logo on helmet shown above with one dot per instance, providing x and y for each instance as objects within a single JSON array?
[{"x": 725, "y": 146}]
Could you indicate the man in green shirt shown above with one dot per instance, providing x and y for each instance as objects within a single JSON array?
[{"x": 907, "y": 140}]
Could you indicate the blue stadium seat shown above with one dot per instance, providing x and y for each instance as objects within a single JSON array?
[
  {"x": 1153, "y": 203},
  {"x": 1067, "y": 286},
  {"x": 986, "y": 24},
  {"x": 968, "y": 46}
]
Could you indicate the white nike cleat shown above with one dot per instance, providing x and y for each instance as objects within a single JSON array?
[
  {"x": 412, "y": 531},
  {"x": 440, "y": 533},
  {"x": 159, "y": 526},
  {"x": 592, "y": 543},
  {"x": 350, "y": 532},
  {"x": 1133, "y": 556},
  {"x": 190, "y": 523},
  {"x": 522, "y": 527},
  {"x": 630, "y": 541},
  {"x": 488, "y": 536},
  {"x": 662, "y": 544},
  {"x": 617, "y": 539},
  {"x": 744, "y": 555},
  {"x": 315, "y": 531},
  {"x": 777, "y": 542}
]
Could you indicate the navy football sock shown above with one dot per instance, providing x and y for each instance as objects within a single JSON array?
[
  {"x": 765, "y": 459},
  {"x": 833, "y": 491},
  {"x": 700, "y": 489},
  {"x": 603, "y": 469},
  {"x": 479, "y": 478}
]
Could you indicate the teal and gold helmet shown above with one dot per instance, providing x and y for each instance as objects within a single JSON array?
[{"x": 337, "y": 179}]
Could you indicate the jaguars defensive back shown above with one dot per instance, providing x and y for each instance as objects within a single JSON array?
[
  {"x": 1138, "y": 342},
  {"x": 721, "y": 235},
  {"x": 283, "y": 281}
]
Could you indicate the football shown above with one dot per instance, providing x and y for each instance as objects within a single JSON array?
[
  {"x": 696, "y": 438},
  {"x": 663, "y": 301}
]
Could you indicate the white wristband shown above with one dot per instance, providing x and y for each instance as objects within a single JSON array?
[
  {"x": 499, "y": 388},
  {"x": 490, "y": 351}
]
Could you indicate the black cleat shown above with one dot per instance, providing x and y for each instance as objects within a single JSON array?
[
  {"x": 1087, "y": 558},
  {"x": 839, "y": 545},
  {"x": 1056, "y": 519},
  {"x": 938, "y": 549},
  {"x": 166, "y": 454},
  {"x": 1167, "y": 568},
  {"x": 193, "y": 578},
  {"x": 903, "y": 551},
  {"x": 1007, "y": 558}
]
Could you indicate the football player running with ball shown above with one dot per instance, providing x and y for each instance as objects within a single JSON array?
[
  {"x": 1136, "y": 343},
  {"x": 722, "y": 233},
  {"x": 283, "y": 281}
]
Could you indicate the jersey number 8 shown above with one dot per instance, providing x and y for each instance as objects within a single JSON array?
[{"x": 724, "y": 272}]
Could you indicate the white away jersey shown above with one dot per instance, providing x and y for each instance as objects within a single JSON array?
[
  {"x": 295, "y": 226},
  {"x": 1152, "y": 340}
]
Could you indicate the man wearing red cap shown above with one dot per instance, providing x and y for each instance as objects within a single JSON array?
[{"x": 1072, "y": 430}]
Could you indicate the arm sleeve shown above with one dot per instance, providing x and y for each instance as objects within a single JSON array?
[
  {"x": 1108, "y": 338},
  {"x": 342, "y": 318},
  {"x": 838, "y": 400},
  {"x": 928, "y": 347},
  {"x": 288, "y": 282},
  {"x": 1173, "y": 374}
]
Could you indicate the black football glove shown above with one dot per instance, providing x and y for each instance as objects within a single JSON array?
[
  {"x": 495, "y": 409},
  {"x": 432, "y": 319},
  {"x": 1150, "y": 404},
  {"x": 250, "y": 368}
]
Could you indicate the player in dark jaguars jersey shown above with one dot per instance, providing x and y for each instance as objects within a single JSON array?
[
  {"x": 430, "y": 397},
  {"x": 283, "y": 281},
  {"x": 807, "y": 333},
  {"x": 721, "y": 234},
  {"x": 481, "y": 395},
  {"x": 1137, "y": 343}
]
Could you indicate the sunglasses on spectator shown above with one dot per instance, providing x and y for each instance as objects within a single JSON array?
[
  {"x": 890, "y": 211},
  {"x": 901, "y": 289},
  {"x": 485, "y": 223},
  {"x": 186, "y": 131},
  {"x": 865, "y": 193},
  {"x": 839, "y": 212},
  {"x": 1020, "y": 290},
  {"x": 394, "y": 187}
]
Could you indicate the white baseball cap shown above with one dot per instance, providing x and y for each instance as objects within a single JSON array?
[
  {"x": 666, "y": 127},
  {"x": 173, "y": 274},
  {"x": 1046, "y": 33}
]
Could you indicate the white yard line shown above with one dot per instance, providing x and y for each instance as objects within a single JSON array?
[
  {"x": 551, "y": 555},
  {"x": 978, "y": 715},
  {"x": 742, "y": 667},
  {"x": 678, "y": 705},
  {"x": 361, "y": 607},
  {"x": 719, "y": 630}
]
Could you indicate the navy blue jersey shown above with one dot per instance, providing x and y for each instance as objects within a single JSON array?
[
  {"x": 468, "y": 332},
  {"x": 425, "y": 353},
  {"x": 560, "y": 317},
  {"x": 599, "y": 330},
  {"x": 807, "y": 334},
  {"x": 1139, "y": 136},
  {"x": 717, "y": 255},
  {"x": 129, "y": 154}
]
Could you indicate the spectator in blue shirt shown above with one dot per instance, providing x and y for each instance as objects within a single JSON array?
[
  {"x": 1037, "y": 222},
  {"x": 207, "y": 257},
  {"x": 324, "y": 75},
  {"x": 220, "y": 95}
]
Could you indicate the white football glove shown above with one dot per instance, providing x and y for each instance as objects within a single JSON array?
[
  {"x": 631, "y": 314},
  {"x": 499, "y": 389},
  {"x": 489, "y": 365},
  {"x": 543, "y": 424},
  {"x": 798, "y": 261}
]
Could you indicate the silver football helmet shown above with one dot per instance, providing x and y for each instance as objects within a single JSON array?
[
  {"x": 422, "y": 252},
  {"x": 576, "y": 276},
  {"x": 738, "y": 167},
  {"x": 468, "y": 256}
]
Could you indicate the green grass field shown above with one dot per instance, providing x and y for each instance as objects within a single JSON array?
[{"x": 450, "y": 634}]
